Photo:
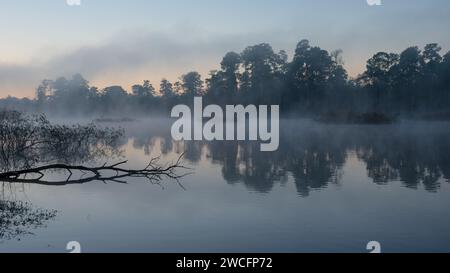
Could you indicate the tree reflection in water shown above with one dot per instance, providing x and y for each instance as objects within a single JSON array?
[
  {"x": 315, "y": 155},
  {"x": 18, "y": 218},
  {"x": 311, "y": 155}
]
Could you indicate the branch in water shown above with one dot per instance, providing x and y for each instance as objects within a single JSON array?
[{"x": 153, "y": 172}]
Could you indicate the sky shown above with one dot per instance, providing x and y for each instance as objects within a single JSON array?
[{"x": 123, "y": 42}]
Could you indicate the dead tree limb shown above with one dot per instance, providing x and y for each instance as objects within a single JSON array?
[{"x": 153, "y": 172}]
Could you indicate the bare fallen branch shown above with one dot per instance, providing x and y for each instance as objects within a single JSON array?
[{"x": 153, "y": 172}]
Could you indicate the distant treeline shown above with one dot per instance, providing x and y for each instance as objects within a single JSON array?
[{"x": 314, "y": 81}]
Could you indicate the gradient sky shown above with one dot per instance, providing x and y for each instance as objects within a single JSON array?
[{"x": 126, "y": 41}]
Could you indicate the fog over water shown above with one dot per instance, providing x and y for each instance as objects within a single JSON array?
[{"x": 328, "y": 188}]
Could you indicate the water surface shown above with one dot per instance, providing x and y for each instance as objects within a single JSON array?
[{"x": 329, "y": 188}]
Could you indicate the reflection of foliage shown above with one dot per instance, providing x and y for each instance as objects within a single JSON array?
[
  {"x": 245, "y": 163},
  {"x": 28, "y": 140},
  {"x": 18, "y": 218},
  {"x": 413, "y": 158},
  {"x": 314, "y": 155},
  {"x": 310, "y": 157}
]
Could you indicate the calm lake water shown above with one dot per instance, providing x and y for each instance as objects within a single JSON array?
[{"x": 329, "y": 188}]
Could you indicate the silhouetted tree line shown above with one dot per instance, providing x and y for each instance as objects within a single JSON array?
[{"x": 313, "y": 81}]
